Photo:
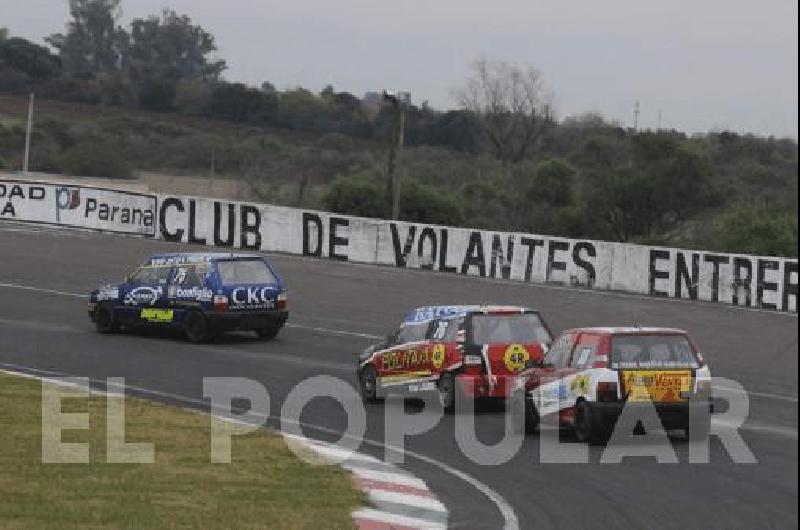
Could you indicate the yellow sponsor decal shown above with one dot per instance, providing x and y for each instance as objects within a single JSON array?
[
  {"x": 156, "y": 315},
  {"x": 515, "y": 357},
  {"x": 437, "y": 356},
  {"x": 655, "y": 385},
  {"x": 580, "y": 385},
  {"x": 405, "y": 375}
]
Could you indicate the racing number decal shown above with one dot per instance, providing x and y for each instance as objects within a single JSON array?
[
  {"x": 437, "y": 356},
  {"x": 516, "y": 357}
]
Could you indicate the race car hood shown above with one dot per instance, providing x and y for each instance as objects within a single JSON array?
[{"x": 511, "y": 358}]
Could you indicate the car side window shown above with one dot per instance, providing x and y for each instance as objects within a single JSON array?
[
  {"x": 584, "y": 352},
  {"x": 412, "y": 333},
  {"x": 445, "y": 330},
  {"x": 558, "y": 356},
  {"x": 150, "y": 275},
  {"x": 191, "y": 275}
]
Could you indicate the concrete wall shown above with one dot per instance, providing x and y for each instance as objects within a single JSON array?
[{"x": 751, "y": 281}]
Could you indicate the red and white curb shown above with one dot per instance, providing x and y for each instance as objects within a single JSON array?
[{"x": 398, "y": 500}]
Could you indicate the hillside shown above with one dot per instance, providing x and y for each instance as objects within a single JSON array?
[{"x": 585, "y": 177}]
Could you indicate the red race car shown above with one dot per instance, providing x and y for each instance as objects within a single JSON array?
[{"x": 475, "y": 350}]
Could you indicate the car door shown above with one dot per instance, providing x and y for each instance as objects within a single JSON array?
[
  {"x": 144, "y": 295},
  {"x": 442, "y": 348},
  {"x": 545, "y": 381},
  {"x": 400, "y": 361}
]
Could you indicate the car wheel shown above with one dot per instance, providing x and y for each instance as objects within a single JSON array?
[
  {"x": 698, "y": 430},
  {"x": 368, "y": 384},
  {"x": 195, "y": 327},
  {"x": 587, "y": 426},
  {"x": 531, "y": 417},
  {"x": 268, "y": 332},
  {"x": 105, "y": 320},
  {"x": 526, "y": 417},
  {"x": 447, "y": 392}
]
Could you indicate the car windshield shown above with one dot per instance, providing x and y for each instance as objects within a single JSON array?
[
  {"x": 508, "y": 329},
  {"x": 651, "y": 351},
  {"x": 233, "y": 272}
]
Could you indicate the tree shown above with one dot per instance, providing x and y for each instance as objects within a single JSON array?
[
  {"x": 239, "y": 103},
  {"x": 511, "y": 105},
  {"x": 3, "y": 33},
  {"x": 24, "y": 56},
  {"x": 667, "y": 181},
  {"x": 172, "y": 47},
  {"x": 759, "y": 231},
  {"x": 93, "y": 42}
]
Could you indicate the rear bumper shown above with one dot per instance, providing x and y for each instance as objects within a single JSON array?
[
  {"x": 482, "y": 385},
  {"x": 672, "y": 415},
  {"x": 232, "y": 321}
]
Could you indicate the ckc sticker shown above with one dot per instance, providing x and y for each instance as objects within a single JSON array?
[{"x": 515, "y": 357}]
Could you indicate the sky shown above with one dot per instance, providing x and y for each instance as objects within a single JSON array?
[{"x": 700, "y": 65}]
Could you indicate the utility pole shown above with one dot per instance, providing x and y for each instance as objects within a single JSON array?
[
  {"x": 636, "y": 116},
  {"x": 213, "y": 170},
  {"x": 659, "y": 120},
  {"x": 398, "y": 102},
  {"x": 28, "y": 136}
]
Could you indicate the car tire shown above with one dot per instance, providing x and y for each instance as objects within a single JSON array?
[
  {"x": 531, "y": 417},
  {"x": 368, "y": 384},
  {"x": 588, "y": 427},
  {"x": 195, "y": 327},
  {"x": 268, "y": 332},
  {"x": 105, "y": 320},
  {"x": 525, "y": 415},
  {"x": 701, "y": 431},
  {"x": 447, "y": 392}
]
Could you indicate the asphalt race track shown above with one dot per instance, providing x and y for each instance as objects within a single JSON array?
[{"x": 335, "y": 307}]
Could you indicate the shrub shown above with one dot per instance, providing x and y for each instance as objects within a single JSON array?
[
  {"x": 97, "y": 159},
  {"x": 757, "y": 230},
  {"x": 357, "y": 194}
]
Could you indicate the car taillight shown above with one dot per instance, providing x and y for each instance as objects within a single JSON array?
[
  {"x": 606, "y": 391},
  {"x": 703, "y": 389},
  {"x": 281, "y": 303},
  {"x": 220, "y": 302},
  {"x": 600, "y": 361}
]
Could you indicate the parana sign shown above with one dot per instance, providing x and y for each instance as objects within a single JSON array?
[{"x": 78, "y": 206}]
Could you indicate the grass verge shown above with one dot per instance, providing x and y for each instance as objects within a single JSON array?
[{"x": 265, "y": 486}]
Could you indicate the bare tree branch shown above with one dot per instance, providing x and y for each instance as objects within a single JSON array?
[{"x": 511, "y": 104}]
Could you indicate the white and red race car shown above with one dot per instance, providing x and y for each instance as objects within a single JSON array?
[{"x": 590, "y": 374}]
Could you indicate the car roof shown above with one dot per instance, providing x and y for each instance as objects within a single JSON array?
[
  {"x": 428, "y": 313},
  {"x": 195, "y": 257},
  {"x": 629, "y": 330}
]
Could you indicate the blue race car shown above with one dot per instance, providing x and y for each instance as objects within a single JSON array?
[{"x": 201, "y": 293}]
